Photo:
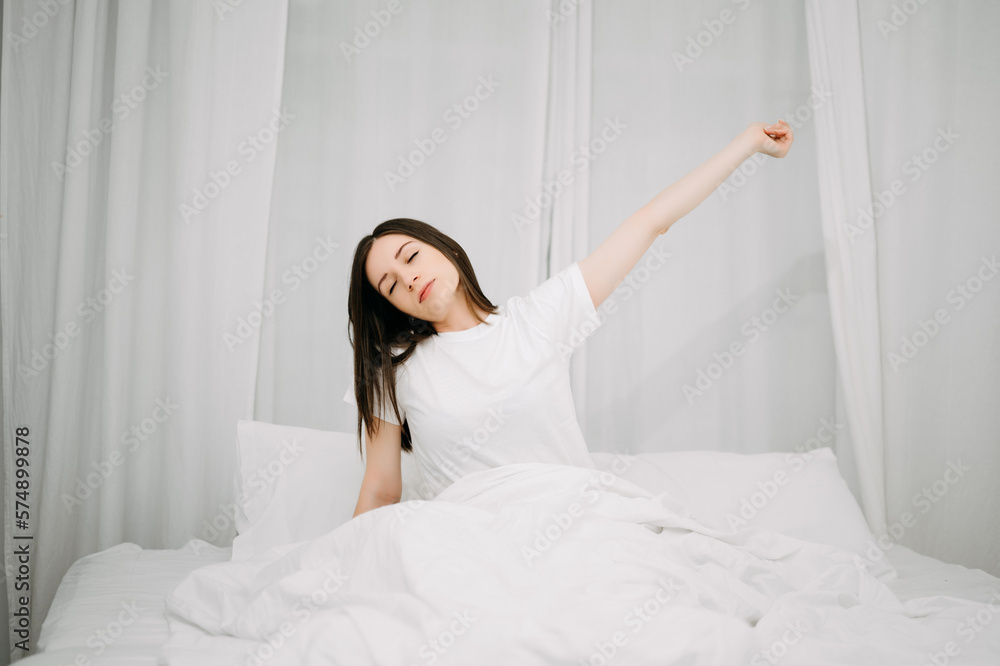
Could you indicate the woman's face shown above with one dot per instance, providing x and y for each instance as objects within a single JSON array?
[{"x": 399, "y": 267}]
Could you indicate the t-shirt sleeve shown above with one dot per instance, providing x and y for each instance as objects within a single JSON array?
[
  {"x": 560, "y": 309},
  {"x": 388, "y": 415}
]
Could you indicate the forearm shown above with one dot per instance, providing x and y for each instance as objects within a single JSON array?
[
  {"x": 368, "y": 500},
  {"x": 684, "y": 195}
]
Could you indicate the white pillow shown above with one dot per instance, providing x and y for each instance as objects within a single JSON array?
[
  {"x": 802, "y": 495},
  {"x": 294, "y": 484}
]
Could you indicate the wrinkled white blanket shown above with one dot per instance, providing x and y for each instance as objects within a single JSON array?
[{"x": 543, "y": 564}]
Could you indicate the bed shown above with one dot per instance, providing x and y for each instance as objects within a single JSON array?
[{"x": 124, "y": 605}]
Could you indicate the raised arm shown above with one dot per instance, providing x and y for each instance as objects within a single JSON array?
[{"x": 605, "y": 268}]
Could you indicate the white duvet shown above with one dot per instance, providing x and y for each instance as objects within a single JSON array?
[{"x": 548, "y": 564}]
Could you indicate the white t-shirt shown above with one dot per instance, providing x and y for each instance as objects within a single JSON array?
[{"x": 498, "y": 393}]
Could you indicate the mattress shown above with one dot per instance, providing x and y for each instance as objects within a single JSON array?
[{"x": 109, "y": 608}]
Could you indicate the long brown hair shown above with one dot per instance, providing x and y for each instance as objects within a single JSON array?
[{"x": 375, "y": 325}]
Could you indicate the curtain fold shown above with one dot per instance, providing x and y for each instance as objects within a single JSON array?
[
  {"x": 138, "y": 159},
  {"x": 564, "y": 191},
  {"x": 851, "y": 261}
]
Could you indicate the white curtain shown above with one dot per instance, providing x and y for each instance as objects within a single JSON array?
[
  {"x": 437, "y": 112},
  {"x": 844, "y": 179},
  {"x": 932, "y": 90},
  {"x": 137, "y": 161},
  {"x": 464, "y": 115}
]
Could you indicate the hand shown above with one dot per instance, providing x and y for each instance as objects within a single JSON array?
[{"x": 773, "y": 140}]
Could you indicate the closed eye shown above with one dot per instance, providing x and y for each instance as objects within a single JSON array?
[{"x": 407, "y": 261}]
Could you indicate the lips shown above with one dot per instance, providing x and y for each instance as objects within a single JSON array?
[{"x": 426, "y": 290}]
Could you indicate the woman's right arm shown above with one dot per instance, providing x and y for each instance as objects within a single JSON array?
[{"x": 383, "y": 480}]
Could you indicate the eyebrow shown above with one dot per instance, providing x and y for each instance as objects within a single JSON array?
[{"x": 378, "y": 287}]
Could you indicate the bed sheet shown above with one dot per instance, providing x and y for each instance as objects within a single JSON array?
[{"x": 109, "y": 607}]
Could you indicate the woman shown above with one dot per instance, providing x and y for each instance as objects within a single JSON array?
[{"x": 467, "y": 385}]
